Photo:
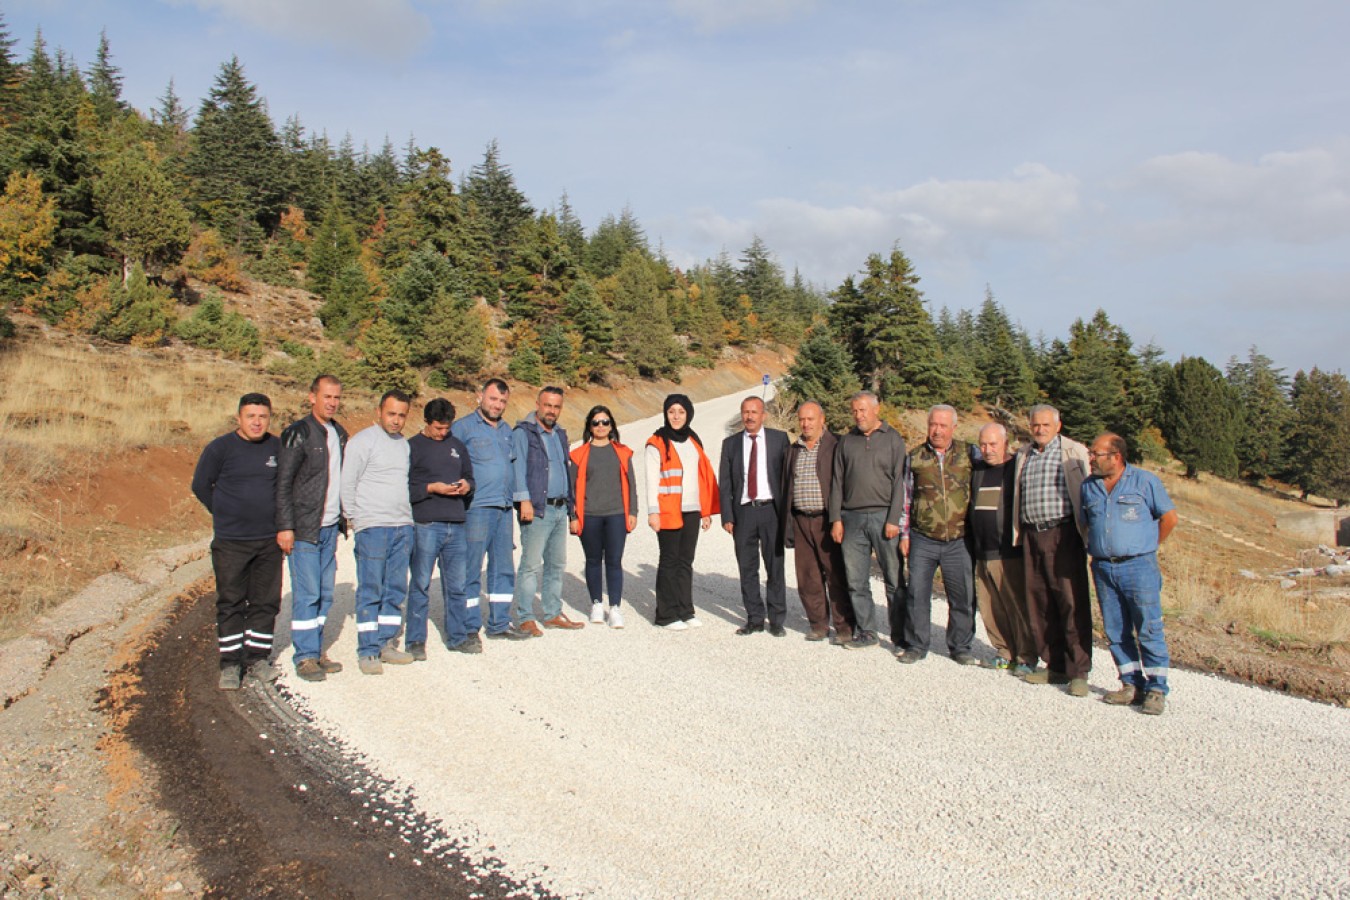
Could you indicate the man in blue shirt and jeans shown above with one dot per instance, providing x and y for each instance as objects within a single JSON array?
[{"x": 1128, "y": 515}]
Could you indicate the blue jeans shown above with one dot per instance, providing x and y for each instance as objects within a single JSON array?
[
  {"x": 488, "y": 533},
  {"x": 1130, "y": 596},
  {"x": 313, "y": 577},
  {"x": 864, "y": 532},
  {"x": 444, "y": 543},
  {"x": 543, "y": 555},
  {"x": 926, "y": 556},
  {"x": 602, "y": 540},
  {"x": 382, "y": 555}
]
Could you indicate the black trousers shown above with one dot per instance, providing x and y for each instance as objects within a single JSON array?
[
  {"x": 675, "y": 570},
  {"x": 248, "y": 596},
  {"x": 756, "y": 538}
]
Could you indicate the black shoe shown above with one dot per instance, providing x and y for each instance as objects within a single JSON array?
[
  {"x": 862, "y": 640},
  {"x": 418, "y": 649},
  {"x": 965, "y": 659},
  {"x": 470, "y": 644},
  {"x": 911, "y": 656},
  {"x": 747, "y": 628},
  {"x": 777, "y": 631},
  {"x": 498, "y": 635}
]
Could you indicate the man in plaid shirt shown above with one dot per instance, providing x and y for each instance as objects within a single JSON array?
[{"x": 1050, "y": 529}]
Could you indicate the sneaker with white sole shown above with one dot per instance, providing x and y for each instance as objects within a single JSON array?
[
  {"x": 693, "y": 622},
  {"x": 597, "y": 613},
  {"x": 677, "y": 625},
  {"x": 615, "y": 617}
]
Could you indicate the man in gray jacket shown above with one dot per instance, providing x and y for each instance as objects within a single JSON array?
[
  {"x": 867, "y": 508},
  {"x": 1053, "y": 535},
  {"x": 309, "y": 517}
]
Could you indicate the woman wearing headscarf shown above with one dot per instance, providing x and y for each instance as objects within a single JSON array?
[
  {"x": 681, "y": 498},
  {"x": 606, "y": 509}
]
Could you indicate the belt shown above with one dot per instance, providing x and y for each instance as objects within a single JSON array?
[
  {"x": 556, "y": 501},
  {"x": 808, "y": 515},
  {"x": 1120, "y": 559},
  {"x": 1046, "y": 526},
  {"x": 757, "y": 503}
]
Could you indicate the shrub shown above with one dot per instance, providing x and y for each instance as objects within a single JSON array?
[
  {"x": 212, "y": 327},
  {"x": 138, "y": 313}
]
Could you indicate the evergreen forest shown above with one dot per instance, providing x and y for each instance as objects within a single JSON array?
[{"x": 112, "y": 220}]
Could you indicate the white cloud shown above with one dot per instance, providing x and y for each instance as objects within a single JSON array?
[
  {"x": 388, "y": 28},
  {"x": 1296, "y": 197},
  {"x": 1032, "y": 205}
]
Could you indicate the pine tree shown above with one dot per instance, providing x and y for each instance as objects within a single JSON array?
[
  {"x": 559, "y": 353},
  {"x": 10, "y": 76},
  {"x": 1320, "y": 439},
  {"x": 140, "y": 313},
  {"x": 347, "y": 303},
  {"x": 236, "y": 164},
  {"x": 145, "y": 220},
  {"x": 500, "y": 205},
  {"x": 1201, "y": 418},
  {"x": 883, "y": 323},
  {"x": 590, "y": 318},
  {"x": 642, "y": 326},
  {"x": 453, "y": 339},
  {"x": 105, "y": 82},
  {"x": 1263, "y": 393},
  {"x": 611, "y": 242},
  {"x": 823, "y": 372},
  {"x": 384, "y": 360},
  {"x": 416, "y": 287},
  {"x": 1093, "y": 380},
  {"x": 570, "y": 229},
  {"x": 333, "y": 249},
  {"x": 1005, "y": 376},
  {"x": 761, "y": 280}
]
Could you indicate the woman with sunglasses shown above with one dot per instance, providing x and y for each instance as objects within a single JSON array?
[
  {"x": 606, "y": 509},
  {"x": 681, "y": 493}
]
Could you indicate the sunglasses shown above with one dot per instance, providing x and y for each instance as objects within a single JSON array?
[{"x": 605, "y": 422}]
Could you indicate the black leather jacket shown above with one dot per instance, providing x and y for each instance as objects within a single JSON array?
[{"x": 302, "y": 478}]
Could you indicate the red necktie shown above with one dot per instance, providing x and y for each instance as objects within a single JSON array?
[{"x": 752, "y": 486}]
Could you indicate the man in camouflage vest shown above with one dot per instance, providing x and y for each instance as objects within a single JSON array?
[{"x": 939, "y": 497}]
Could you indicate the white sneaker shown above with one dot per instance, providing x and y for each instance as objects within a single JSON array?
[
  {"x": 615, "y": 617},
  {"x": 693, "y": 622},
  {"x": 597, "y": 613},
  {"x": 677, "y": 625}
]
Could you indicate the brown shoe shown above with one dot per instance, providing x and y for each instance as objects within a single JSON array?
[
  {"x": 841, "y": 638},
  {"x": 329, "y": 666},
  {"x": 1078, "y": 687},
  {"x": 818, "y": 634},
  {"x": 310, "y": 670},
  {"x": 1129, "y": 695},
  {"x": 1154, "y": 703},
  {"x": 530, "y": 628},
  {"x": 1045, "y": 676},
  {"x": 561, "y": 621}
]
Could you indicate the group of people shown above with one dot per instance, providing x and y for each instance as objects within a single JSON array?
[{"x": 1023, "y": 526}]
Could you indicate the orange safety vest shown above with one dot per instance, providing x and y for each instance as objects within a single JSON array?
[
  {"x": 669, "y": 495},
  {"x": 580, "y": 456}
]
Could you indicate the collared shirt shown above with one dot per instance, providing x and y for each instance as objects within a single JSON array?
[
  {"x": 490, "y": 452},
  {"x": 1045, "y": 493},
  {"x": 762, "y": 489},
  {"x": 1124, "y": 521},
  {"x": 807, "y": 494},
  {"x": 557, "y": 463}
]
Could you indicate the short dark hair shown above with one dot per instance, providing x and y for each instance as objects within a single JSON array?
[
  {"x": 255, "y": 399},
  {"x": 498, "y": 384},
  {"x": 320, "y": 379},
  {"x": 396, "y": 394},
  {"x": 439, "y": 410},
  {"x": 613, "y": 425},
  {"x": 550, "y": 389}
]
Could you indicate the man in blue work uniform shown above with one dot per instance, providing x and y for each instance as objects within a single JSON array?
[{"x": 1128, "y": 515}]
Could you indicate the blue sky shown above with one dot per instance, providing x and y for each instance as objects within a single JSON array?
[{"x": 1183, "y": 165}]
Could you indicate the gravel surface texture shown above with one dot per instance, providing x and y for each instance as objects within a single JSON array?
[{"x": 648, "y": 763}]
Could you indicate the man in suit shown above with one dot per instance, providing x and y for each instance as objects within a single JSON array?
[
  {"x": 807, "y": 475},
  {"x": 1047, "y": 493},
  {"x": 750, "y": 481}
]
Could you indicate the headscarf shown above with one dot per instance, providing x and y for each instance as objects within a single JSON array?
[{"x": 678, "y": 435}]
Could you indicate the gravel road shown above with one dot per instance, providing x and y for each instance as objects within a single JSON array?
[{"x": 646, "y": 763}]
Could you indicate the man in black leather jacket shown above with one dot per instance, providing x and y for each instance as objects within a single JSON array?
[{"x": 309, "y": 517}]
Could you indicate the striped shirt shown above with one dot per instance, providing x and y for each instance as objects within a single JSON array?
[{"x": 1044, "y": 491}]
